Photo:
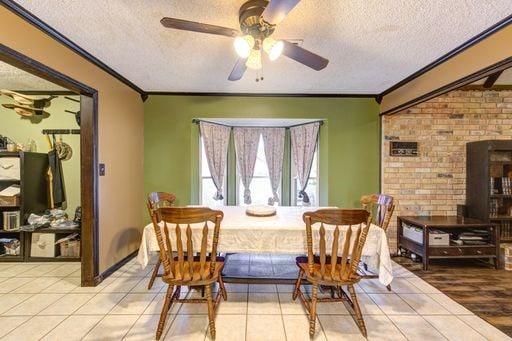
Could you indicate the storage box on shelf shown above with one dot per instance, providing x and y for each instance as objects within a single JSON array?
[
  {"x": 9, "y": 201},
  {"x": 70, "y": 248},
  {"x": 435, "y": 237},
  {"x": 489, "y": 183},
  {"x": 24, "y": 172},
  {"x": 42, "y": 245}
]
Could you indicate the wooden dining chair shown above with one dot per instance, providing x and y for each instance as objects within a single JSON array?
[
  {"x": 381, "y": 206},
  {"x": 333, "y": 268},
  {"x": 156, "y": 200},
  {"x": 182, "y": 267}
]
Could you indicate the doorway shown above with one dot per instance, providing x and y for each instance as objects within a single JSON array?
[{"x": 87, "y": 153}]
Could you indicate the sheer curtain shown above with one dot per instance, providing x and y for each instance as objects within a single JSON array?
[
  {"x": 273, "y": 140},
  {"x": 216, "y": 140},
  {"x": 304, "y": 139},
  {"x": 246, "y": 149}
]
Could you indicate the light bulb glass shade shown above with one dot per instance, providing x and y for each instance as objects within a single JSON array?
[
  {"x": 244, "y": 45},
  {"x": 273, "y": 47},
  {"x": 254, "y": 60}
]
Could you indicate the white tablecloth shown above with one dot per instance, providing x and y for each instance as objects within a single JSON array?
[{"x": 283, "y": 233}]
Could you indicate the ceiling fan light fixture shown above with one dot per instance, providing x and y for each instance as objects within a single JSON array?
[
  {"x": 273, "y": 47},
  {"x": 254, "y": 60},
  {"x": 244, "y": 45}
]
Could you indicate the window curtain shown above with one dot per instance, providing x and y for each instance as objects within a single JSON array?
[
  {"x": 304, "y": 138},
  {"x": 246, "y": 149},
  {"x": 216, "y": 140},
  {"x": 273, "y": 139}
]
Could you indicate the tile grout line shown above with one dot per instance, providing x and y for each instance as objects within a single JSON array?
[
  {"x": 281, "y": 310},
  {"x": 246, "y": 310},
  {"x": 171, "y": 322},
  {"x": 420, "y": 315},
  {"x": 387, "y": 315},
  {"x": 476, "y": 329},
  {"x": 31, "y": 316},
  {"x": 105, "y": 315},
  {"x": 3, "y": 314}
]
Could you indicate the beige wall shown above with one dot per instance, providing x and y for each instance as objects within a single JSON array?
[
  {"x": 21, "y": 129},
  {"x": 434, "y": 182},
  {"x": 491, "y": 50},
  {"x": 120, "y": 142}
]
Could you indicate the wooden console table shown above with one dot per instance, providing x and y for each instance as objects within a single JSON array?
[{"x": 452, "y": 224}]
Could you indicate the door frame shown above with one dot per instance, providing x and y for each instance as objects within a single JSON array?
[{"x": 88, "y": 156}]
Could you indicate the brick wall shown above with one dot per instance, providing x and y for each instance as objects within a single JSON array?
[{"x": 434, "y": 182}]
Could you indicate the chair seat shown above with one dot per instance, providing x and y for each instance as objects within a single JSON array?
[
  {"x": 327, "y": 279},
  {"x": 184, "y": 278}
]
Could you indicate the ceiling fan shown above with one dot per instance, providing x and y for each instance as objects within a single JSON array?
[{"x": 258, "y": 20}]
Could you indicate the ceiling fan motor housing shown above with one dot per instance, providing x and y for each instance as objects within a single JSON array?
[{"x": 251, "y": 22}]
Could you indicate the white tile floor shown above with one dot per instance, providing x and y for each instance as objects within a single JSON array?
[{"x": 42, "y": 301}]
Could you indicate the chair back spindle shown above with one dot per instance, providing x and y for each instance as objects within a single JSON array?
[{"x": 346, "y": 247}]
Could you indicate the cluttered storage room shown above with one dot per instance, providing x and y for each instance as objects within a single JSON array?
[{"x": 39, "y": 172}]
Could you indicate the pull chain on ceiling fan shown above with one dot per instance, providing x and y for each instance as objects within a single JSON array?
[{"x": 258, "y": 20}]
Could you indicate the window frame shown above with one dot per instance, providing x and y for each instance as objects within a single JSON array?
[{"x": 287, "y": 187}]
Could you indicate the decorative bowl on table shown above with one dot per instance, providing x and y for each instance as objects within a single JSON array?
[{"x": 260, "y": 210}]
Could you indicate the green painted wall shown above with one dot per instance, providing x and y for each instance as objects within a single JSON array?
[
  {"x": 21, "y": 129},
  {"x": 349, "y": 141}
]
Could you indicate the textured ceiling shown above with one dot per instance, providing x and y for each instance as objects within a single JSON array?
[
  {"x": 371, "y": 44},
  {"x": 12, "y": 78}
]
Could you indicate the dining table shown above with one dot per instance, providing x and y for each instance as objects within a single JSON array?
[{"x": 282, "y": 233}]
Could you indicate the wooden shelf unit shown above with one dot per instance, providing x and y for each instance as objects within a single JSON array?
[
  {"x": 489, "y": 183},
  {"x": 450, "y": 224},
  {"x": 33, "y": 198}
]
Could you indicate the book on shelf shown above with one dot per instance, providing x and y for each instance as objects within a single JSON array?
[
  {"x": 506, "y": 185},
  {"x": 493, "y": 208},
  {"x": 505, "y": 230}
]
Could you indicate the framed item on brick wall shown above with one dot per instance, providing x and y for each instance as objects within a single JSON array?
[{"x": 402, "y": 148}]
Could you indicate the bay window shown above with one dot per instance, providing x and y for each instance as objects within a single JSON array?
[{"x": 260, "y": 186}]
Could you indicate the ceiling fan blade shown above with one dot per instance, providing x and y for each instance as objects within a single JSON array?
[
  {"x": 304, "y": 56},
  {"x": 186, "y": 25},
  {"x": 277, "y": 10},
  {"x": 238, "y": 70}
]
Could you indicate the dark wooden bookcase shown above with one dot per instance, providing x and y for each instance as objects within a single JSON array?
[
  {"x": 489, "y": 183},
  {"x": 33, "y": 195}
]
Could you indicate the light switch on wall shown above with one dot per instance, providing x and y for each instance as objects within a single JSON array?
[{"x": 102, "y": 169}]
